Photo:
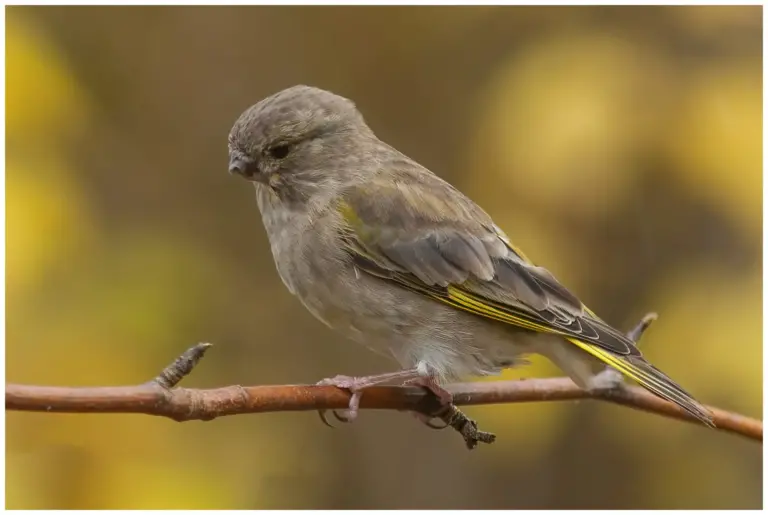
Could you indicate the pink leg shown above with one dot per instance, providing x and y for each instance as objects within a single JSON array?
[
  {"x": 444, "y": 396},
  {"x": 356, "y": 385}
]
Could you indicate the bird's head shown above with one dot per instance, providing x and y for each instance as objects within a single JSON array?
[{"x": 298, "y": 142}]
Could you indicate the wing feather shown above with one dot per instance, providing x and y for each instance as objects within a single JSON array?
[
  {"x": 454, "y": 250},
  {"x": 424, "y": 235}
]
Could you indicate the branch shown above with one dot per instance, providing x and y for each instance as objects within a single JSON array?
[{"x": 160, "y": 397}]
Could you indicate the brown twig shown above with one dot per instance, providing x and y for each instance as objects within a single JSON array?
[{"x": 159, "y": 397}]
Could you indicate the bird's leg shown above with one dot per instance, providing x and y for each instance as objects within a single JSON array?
[
  {"x": 444, "y": 397},
  {"x": 610, "y": 378},
  {"x": 355, "y": 386}
]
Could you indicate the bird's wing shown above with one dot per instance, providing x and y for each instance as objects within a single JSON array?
[
  {"x": 426, "y": 236},
  {"x": 419, "y": 232}
]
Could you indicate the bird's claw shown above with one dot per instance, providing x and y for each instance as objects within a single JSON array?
[
  {"x": 324, "y": 417},
  {"x": 344, "y": 416},
  {"x": 356, "y": 385},
  {"x": 349, "y": 415},
  {"x": 428, "y": 420},
  {"x": 443, "y": 396}
]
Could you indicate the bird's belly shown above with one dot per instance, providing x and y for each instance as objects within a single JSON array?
[{"x": 410, "y": 327}]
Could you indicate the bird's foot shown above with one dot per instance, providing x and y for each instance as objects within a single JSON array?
[
  {"x": 443, "y": 396},
  {"x": 355, "y": 386}
]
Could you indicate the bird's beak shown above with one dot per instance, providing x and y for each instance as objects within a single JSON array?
[{"x": 243, "y": 166}]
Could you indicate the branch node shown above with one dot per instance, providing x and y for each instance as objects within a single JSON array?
[
  {"x": 466, "y": 427},
  {"x": 181, "y": 366},
  {"x": 161, "y": 397},
  {"x": 612, "y": 380},
  {"x": 637, "y": 332}
]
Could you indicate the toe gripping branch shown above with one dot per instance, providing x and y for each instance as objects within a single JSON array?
[
  {"x": 467, "y": 428},
  {"x": 436, "y": 404}
]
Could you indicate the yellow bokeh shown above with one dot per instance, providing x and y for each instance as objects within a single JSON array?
[
  {"x": 708, "y": 338},
  {"x": 711, "y": 319},
  {"x": 618, "y": 147},
  {"x": 42, "y": 95},
  {"x": 48, "y": 222},
  {"x": 559, "y": 131},
  {"x": 718, "y": 142}
]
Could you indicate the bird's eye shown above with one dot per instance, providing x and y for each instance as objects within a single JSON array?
[{"x": 279, "y": 151}]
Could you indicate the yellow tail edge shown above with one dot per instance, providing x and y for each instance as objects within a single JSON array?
[{"x": 650, "y": 379}]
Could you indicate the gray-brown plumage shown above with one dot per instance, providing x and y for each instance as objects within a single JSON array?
[{"x": 390, "y": 255}]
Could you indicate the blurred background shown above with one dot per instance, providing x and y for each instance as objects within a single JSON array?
[{"x": 620, "y": 147}]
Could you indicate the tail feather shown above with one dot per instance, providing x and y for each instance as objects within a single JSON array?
[{"x": 650, "y": 378}]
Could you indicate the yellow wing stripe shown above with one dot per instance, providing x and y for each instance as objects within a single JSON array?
[
  {"x": 654, "y": 384},
  {"x": 658, "y": 385},
  {"x": 619, "y": 364},
  {"x": 456, "y": 298},
  {"x": 462, "y": 300},
  {"x": 468, "y": 303}
]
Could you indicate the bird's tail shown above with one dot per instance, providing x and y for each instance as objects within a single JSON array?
[{"x": 650, "y": 378}]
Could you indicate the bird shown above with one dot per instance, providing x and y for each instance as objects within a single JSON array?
[{"x": 389, "y": 255}]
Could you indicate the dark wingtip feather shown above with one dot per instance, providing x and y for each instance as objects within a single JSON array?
[{"x": 664, "y": 387}]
